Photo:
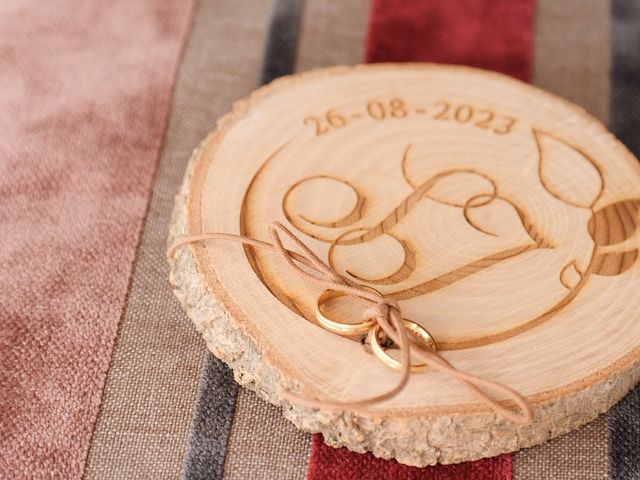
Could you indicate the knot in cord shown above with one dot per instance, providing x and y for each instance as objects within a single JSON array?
[{"x": 378, "y": 307}]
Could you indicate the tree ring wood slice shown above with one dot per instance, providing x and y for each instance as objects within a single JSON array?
[{"x": 504, "y": 219}]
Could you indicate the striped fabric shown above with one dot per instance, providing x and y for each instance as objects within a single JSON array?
[{"x": 104, "y": 377}]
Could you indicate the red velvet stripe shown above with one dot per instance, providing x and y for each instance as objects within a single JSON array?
[
  {"x": 328, "y": 463},
  {"x": 491, "y": 34}
]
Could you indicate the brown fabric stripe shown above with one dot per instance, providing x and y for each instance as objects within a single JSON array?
[
  {"x": 263, "y": 444},
  {"x": 571, "y": 52},
  {"x": 571, "y": 59},
  {"x": 217, "y": 392},
  {"x": 332, "y": 33},
  {"x": 580, "y": 454},
  {"x": 151, "y": 386}
]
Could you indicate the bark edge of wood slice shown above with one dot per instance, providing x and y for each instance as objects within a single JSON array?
[{"x": 555, "y": 250}]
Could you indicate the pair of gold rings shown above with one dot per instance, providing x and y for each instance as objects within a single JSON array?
[{"x": 374, "y": 331}]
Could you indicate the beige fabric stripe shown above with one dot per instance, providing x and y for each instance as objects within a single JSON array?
[
  {"x": 580, "y": 454},
  {"x": 571, "y": 58},
  {"x": 151, "y": 385},
  {"x": 572, "y": 52},
  {"x": 332, "y": 33},
  {"x": 262, "y": 443}
]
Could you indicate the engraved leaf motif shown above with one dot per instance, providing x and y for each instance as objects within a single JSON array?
[
  {"x": 616, "y": 222},
  {"x": 614, "y": 263},
  {"x": 495, "y": 216},
  {"x": 566, "y": 172}
]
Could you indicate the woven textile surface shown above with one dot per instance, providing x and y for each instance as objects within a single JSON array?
[{"x": 101, "y": 374}]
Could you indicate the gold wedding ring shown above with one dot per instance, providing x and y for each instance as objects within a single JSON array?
[
  {"x": 341, "y": 328},
  {"x": 426, "y": 340}
]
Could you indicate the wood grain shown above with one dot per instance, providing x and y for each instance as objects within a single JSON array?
[{"x": 503, "y": 219}]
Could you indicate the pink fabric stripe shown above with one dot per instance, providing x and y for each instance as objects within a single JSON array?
[{"x": 85, "y": 91}]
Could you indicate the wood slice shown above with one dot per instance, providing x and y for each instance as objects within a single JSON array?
[{"x": 504, "y": 220}]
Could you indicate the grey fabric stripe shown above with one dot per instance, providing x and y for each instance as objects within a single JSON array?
[
  {"x": 217, "y": 392},
  {"x": 280, "y": 52},
  {"x": 625, "y": 73},
  {"x": 624, "y": 418},
  {"x": 212, "y": 420}
]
